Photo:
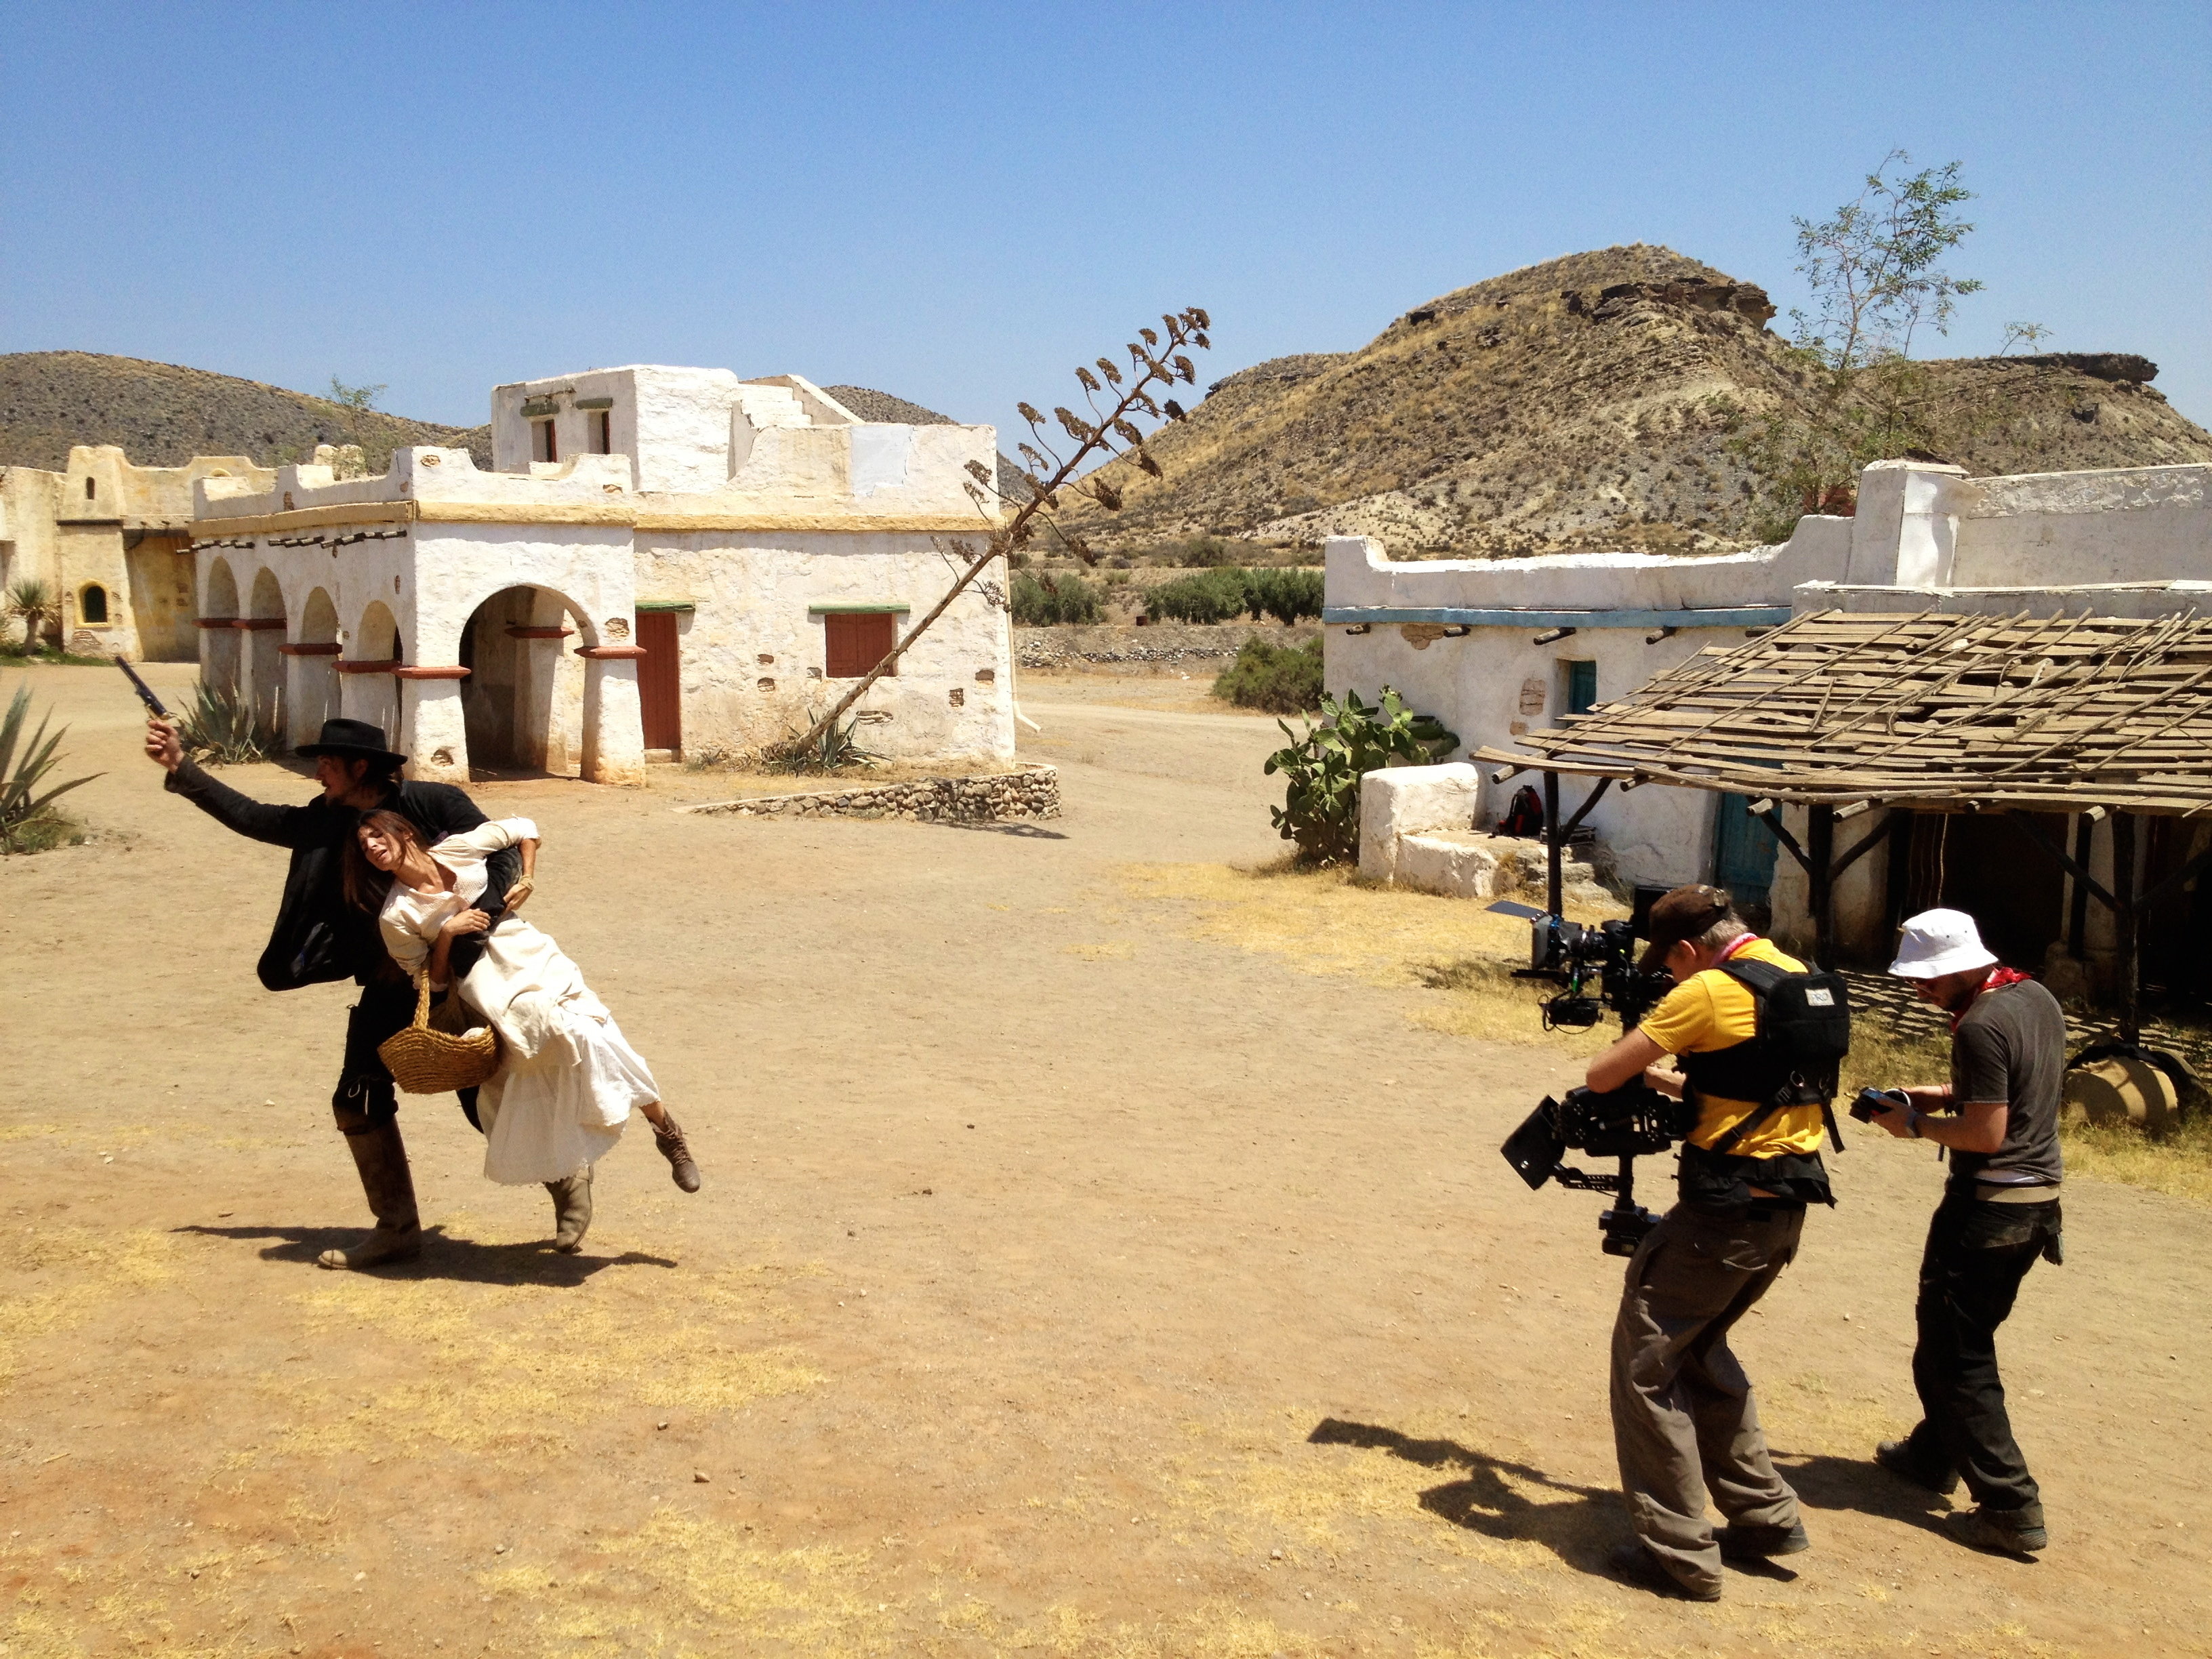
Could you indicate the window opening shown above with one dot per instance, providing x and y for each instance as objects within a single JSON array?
[
  {"x": 854, "y": 642},
  {"x": 91, "y": 488},
  {"x": 602, "y": 432},
  {"x": 92, "y": 604},
  {"x": 543, "y": 445},
  {"x": 1582, "y": 687}
]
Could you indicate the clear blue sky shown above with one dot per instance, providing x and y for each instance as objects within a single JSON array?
[{"x": 957, "y": 203}]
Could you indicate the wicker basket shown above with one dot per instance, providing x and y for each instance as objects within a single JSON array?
[{"x": 427, "y": 1061}]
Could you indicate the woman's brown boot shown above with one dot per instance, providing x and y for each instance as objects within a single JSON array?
[
  {"x": 668, "y": 1136},
  {"x": 572, "y": 1210},
  {"x": 381, "y": 1158}
]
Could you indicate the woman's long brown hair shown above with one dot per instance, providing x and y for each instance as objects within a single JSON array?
[{"x": 366, "y": 885}]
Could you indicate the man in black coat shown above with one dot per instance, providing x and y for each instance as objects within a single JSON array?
[{"x": 319, "y": 937}]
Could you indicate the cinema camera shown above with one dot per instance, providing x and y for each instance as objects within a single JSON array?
[{"x": 1595, "y": 968}]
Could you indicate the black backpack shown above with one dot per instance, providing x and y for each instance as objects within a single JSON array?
[{"x": 1803, "y": 1032}]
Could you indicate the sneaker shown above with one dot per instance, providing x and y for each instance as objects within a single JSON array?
[
  {"x": 677, "y": 1151},
  {"x": 1762, "y": 1543},
  {"x": 2000, "y": 1532},
  {"x": 1900, "y": 1459},
  {"x": 1635, "y": 1565}
]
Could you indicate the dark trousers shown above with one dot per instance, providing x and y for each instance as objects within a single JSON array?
[
  {"x": 365, "y": 1097},
  {"x": 1978, "y": 1253},
  {"x": 1683, "y": 1420}
]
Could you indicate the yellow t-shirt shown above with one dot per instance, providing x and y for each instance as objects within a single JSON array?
[{"x": 1710, "y": 1010}]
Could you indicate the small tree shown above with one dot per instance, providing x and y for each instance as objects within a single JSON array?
[
  {"x": 1878, "y": 282},
  {"x": 1157, "y": 362},
  {"x": 359, "y": 402},
  {"x": 34, "y": 604}
]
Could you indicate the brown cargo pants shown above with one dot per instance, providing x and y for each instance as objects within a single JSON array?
[{"x": 1683, "y": 1421}]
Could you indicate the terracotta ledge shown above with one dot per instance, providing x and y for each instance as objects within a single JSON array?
[
  {"x": 609, "y": 652},
  {"x": 215, "y": 621},
  {"x": 310, "y": 648},
  {"x": 258, "y": 623},
  {"x": 514, "y": 632},
  {"x": 357, "y": 665},
  {"x": 429, "y": 673}
]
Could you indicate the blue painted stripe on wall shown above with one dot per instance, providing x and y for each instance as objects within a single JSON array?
[{"x": 1754, "y": 615}]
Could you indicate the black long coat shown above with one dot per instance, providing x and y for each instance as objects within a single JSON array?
[{"x": 319, "y": 937}]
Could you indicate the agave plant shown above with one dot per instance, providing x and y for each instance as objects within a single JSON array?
[
  {"x": 827, "y": 748},
  {"x": 31, "y": 602},
  {"x": 23, "y": 767},
  {"x": 219, "y": 729}
]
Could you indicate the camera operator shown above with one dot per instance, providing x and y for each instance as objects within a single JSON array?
[
  {"x": 1999, "y": 1118},
  {"x": 1683, "y": 1419}
]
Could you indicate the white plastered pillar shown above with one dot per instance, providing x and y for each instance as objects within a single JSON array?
[
  {"x": 437, "y": 740},
  {"x": 614, "y": 722}
]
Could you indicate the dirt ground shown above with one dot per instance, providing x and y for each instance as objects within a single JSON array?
[{"x": 1069, "y": 1279}]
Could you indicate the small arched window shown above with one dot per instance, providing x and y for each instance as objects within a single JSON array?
[
  {"x": 92, "y": 604},
  {"x": 90, "y": 490}
]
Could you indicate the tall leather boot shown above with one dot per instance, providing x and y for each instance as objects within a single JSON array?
[
  {"x": 381, "y": 1158},
  {"x": 572, "y": 1210}
]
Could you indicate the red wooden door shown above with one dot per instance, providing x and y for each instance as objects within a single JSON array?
[{"x": 659, "y": 688}]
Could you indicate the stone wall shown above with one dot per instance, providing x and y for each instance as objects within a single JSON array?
[
  {"x": 1031, "y": 793},
  {"x": 1110, "y": 643}
]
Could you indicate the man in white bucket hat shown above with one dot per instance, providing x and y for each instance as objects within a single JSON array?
[{"x": 1999, "y": 1117}]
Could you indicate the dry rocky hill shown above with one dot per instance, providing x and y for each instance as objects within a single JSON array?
[
  {"x": 1586, "y": 403},
  {"x": 163, "y": 415}
]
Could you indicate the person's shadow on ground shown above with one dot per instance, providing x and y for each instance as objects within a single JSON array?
[
  {"x": 464, "y": 1259},
  {"x": 1860, "y": 1484},
  {"x": 1578, "y": 1532}
]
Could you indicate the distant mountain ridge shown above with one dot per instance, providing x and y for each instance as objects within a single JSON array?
[{"x": 1584, "y": 403}]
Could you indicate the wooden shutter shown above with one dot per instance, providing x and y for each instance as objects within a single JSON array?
[
  {"x": 659, "y": 686},
  {"x": 855, "y": 642}
]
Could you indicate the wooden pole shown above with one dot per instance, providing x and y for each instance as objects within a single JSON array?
[
  {"x": 1552, "y": 837},
  {"x": 1820, "y": 875},
  {"x": 2124, "y": 922},
  {"x": 2077, "y": 921}
]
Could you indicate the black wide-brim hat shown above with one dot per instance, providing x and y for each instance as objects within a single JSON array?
[{"x": 351, "y": 740}]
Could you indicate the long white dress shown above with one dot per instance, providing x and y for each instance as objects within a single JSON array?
[{"x": 567, "y": 1079}]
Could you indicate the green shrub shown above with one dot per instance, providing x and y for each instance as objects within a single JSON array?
[
  {"x": 28, "y": 822},
  {"x": 1288, "y": 596},
  {"x": 1215, "y": 596},
  {"x": 1282, "y": 681},
  {"x": 1322, "y": 769},
  {"x": 219, "y": 729},
  {"x": 1042, "y": 601}
]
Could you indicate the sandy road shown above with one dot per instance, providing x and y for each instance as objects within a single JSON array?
[{"x": 1063, "y": 1284}]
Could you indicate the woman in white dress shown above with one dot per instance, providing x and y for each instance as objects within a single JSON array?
[{"x": 567, "y": 1079}]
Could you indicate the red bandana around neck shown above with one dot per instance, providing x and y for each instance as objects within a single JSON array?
[{"x": 1998, "y": 979}]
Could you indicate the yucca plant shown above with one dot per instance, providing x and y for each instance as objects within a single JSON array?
[
  {"x": 23, "y": 767},
  {"x": 825, "y": 748},
  {"x": 31, "y": 602},
  {"x": 219, "y": 729}
]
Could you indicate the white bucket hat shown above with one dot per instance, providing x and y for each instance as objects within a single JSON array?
[{"x": 1939, "y": 942}]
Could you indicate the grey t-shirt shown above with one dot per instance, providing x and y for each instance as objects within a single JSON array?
[{"x": 2011, "y": 1046}]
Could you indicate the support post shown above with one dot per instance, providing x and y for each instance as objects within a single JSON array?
[
  {"x": 2124, "y": 921},
  {"x": 2077, "y": 921},
  {"x": 1552, "y": 836},
  {"x": 1820, "y": 876}
]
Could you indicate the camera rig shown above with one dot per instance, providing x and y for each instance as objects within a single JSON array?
[{"x": 1596, "y": 969}]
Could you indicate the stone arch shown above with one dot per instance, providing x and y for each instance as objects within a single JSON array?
[
  {"x": 374, "y": 696},
  {"x": 522, "y": 702},
  {"x": 312, "y": 680},
  {"x": 218, "y": 639},
  {"x": 264, "y": 664}
]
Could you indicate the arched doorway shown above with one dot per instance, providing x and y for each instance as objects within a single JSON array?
[
  {"x": 522, "y": 704},
  {"x": 374, "y": 695},
  {"x": 265, "y": 662},
  {"x": 219, "y": 644},
  {"x": 315, "y": 674}
]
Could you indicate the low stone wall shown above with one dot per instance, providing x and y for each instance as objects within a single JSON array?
[
  {"x": 1032, "y": 793},
  {"x": 1108, "y": 643}
]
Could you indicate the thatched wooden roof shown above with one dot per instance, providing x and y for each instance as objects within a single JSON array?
[{"x": 1934, "y": 712}]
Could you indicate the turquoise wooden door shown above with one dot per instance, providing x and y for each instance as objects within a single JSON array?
[{"x": 1743, "y": 851}]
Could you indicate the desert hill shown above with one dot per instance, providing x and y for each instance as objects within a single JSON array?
[
  {"x": 1585, "y": 402},
  {"x": 163, "y": 415}
]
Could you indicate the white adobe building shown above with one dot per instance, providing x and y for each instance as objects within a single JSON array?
[
  {"x": 1498, "y": 648},
  {"x": 663, "y": 561}
]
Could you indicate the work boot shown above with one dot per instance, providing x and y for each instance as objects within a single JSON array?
[
  {"x": 2000, "y": 1532},
  {"x": 381, "y": 1158},
  {"x": 572, "y": 1210},
  {"x": 669, "y": 1138},
  {"x": 1762, "y": 1543},
  {"x": 1901, "y": 1460}
]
